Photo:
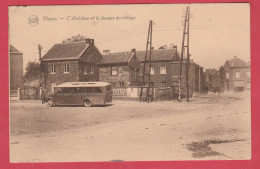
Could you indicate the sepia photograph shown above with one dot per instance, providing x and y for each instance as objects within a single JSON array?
[{"x": 129, "y": 82}]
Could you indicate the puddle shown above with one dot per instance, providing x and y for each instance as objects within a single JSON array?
[
  {"x": 202, "y": 149},
  {"x": 116, "y": 160},
  {"x": 14, "y": 143}
]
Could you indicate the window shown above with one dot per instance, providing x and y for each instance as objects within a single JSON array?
[
  {"x": 121, "y": 84},
  {"x": 162, "y": 69},
  {"x": 152, "y": 70},
  {"x": 97, "y": 90},
  {"x": 65, "y": 90},
  {"x": 114, "y": 70},
  {"x": 73, "y": 90},
  {"x": 227, "y": 75},
  {"x": 237, "y": 75},
  {"x": 53, "y": 69},
  {"x": 89, "y": 89},
  {"x": 81, "y": 90},
  {"x": 248, "y": 74},
  {"x": 66, "y": 68}
]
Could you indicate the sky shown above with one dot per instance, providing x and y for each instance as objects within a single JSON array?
[{"x": 218, "y": 32}]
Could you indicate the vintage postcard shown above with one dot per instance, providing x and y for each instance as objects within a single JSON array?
[{"x": 139, "y": 82}]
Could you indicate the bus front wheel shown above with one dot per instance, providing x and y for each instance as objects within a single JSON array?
[
  {"x": 87, "y": 103},
  {"x": 49, "y": 103}
]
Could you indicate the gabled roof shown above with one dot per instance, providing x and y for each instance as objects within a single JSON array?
[
  {"x": 157, "y": 55},
  {"x": 236, "y": 62},
  {"x": 63, "y": 51},
  {"x": 121, "y": 57},
  {"x": 14, "y": 50}
]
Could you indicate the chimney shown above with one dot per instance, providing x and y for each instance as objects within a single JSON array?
[
  {"x": 90, "y": 41},
  {"x": 133, "y": 50},
  {"x": 152, "y": 48},
  {"x": 235, "y": 56},
  {"x": 106, "y": 52}
]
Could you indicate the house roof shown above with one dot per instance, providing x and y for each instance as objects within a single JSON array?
[
  {"x": 236, "y": 62},
  {"x": 61, "y": 51},
  {"x": 14, "y": 50},
  {"x": 157, "y": 55},
  {"x": 121, "y": 57}
]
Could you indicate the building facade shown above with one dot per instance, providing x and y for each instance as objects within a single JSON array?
[
  {"x": 120, "y": 69},
  {"x": 16, "y": 68},
  {"x": 70, "y": 62},
  {"x": 236, "y": 75},
  {"x": 161, "y": 66}
]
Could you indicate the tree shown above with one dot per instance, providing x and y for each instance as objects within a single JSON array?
[
  {"x": 32, "y": 69},
  {"x": 77, "y": 38}
]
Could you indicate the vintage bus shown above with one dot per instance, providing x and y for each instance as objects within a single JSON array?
[{"x": 80, "y": 93}]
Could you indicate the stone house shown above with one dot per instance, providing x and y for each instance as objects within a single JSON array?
[
  {"x": 120, "y": 69},
  {"x": 16, "y": 68},
  {"x": 161, "y": 66},
  {"x": 70, "y": 62},
  {"x": 236, "y": 75},
  {"x": 165, "y": 69}
]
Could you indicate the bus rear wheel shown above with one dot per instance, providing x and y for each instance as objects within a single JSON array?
[{"x": 87, "y": 103}]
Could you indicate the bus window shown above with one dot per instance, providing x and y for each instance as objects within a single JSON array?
[
  {"x": 58, "y": 90},
  {"x": 97, "y": 90},
  {"x": 89, "y": 89},
  {"x": 65, "y": 90},
  {"x": 81, "y": 90}
]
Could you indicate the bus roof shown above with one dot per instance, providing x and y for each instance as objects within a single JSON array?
[{"x": 82, "y": 84}]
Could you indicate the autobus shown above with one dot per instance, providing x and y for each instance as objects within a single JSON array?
[{"x": 80, "y": 93}]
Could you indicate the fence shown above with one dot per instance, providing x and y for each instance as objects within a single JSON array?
[{"x": 159, "y": 93}]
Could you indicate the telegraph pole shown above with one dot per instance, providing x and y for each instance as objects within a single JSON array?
[
  {"x": 188, "y": 56},
  {"x": 185, "y": 35},
  {"x": 148, "y": 47},
  {"x": 41, "y": 66}
]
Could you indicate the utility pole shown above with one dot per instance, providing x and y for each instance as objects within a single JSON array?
[
  {"x": 185, "y": 36},
  {"x": 41, "y": 66},
  {"x": 148, "y": 47}
]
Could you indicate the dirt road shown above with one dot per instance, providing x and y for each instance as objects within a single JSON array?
[{"x": 208, "y": 128}]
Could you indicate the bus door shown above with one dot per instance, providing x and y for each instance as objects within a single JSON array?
[
  {"x": 73, "y": 97},
  {"x": 98, "y": 96}
]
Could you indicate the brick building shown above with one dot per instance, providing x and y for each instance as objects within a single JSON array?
[
  {"x": 165, "y": 69},
  {"x": 236, "y": 75},
  {"x": 120, "y": 69},
  {"x": 70, "y": 62},
  {"x": 16, "y": 68},
  {"x": 161, "y": 66}
]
